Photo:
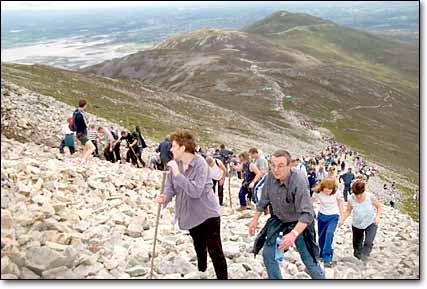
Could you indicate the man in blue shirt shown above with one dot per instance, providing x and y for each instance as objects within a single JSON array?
[{"x": 348, "y": 177}]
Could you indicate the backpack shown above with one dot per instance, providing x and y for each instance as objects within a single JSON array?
[{"x": 72, "y": 123}]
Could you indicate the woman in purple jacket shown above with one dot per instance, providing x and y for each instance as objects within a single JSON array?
[{"x": 196, "y": 207}]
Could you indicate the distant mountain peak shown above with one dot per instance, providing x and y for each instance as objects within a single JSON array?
[
  {"x": 204, "y": 38},
  {"x": 280, "y": 21}
]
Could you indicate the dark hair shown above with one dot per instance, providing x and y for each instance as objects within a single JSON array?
[
  {"x": 184, "y": 138},
  {"x": 244, "y": 155},
  {"x": 283, "y": 153},
  {"x": 222, "y": 146},
  {"x": 138, "y": 129},
  {"x": 358, "y": 187},
  {"x": 82, "y": 102},
  {"x": 253, "y": 151}
]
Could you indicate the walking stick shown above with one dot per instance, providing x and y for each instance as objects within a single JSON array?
[
  {"x": 229, "y": 185},
  {"x": 137, "y": 159},
  {"x": 157, "y": 225}
]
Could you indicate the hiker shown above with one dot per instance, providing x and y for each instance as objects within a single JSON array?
[
  {"x": 331, "y": 208},
  {"x": 196, "y": 207},
  {"x": 140, "y": 145},
  {"x": 311, "y": 179},
  {"x": 81, "y": 131},
  {"x": 251, "y": 175},
  {"x": 342, "y": 165},
  {"x": 348, "y": 177},
  {"x": 366, "y": 212},
  {"x": 218, "y": 172},
  {"x": 116, "y": 144},
  {"x": 285, "y": 189},
  {"x": 109, "y": 143},
  {"x": 93, "y": 137},
  {"x": 392, "y": 200},
  {"x": 132, "y": 144},
  {"x": 321, "y": 174},
  {"x": 165, "y": 153},
  {"x": 260, "y": 161},
  {"x": 225, "y": 154},
  {"x": 68, "y": 140}
]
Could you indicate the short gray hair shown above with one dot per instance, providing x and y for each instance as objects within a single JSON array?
[{"x": 283, "y": 153}]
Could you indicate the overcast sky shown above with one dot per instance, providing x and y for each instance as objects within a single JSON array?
[{"x": 21, "y": 5}]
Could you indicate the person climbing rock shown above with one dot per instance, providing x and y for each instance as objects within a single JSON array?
[
  {"x": 197, "y": 209},
  {"x": 80, "y": 121},
  {"x": 251, "y": 175},
  {"x": 331, "y": 208},
  {"x": 366, "y": 213},
  {"x": 293, "y": 214},
  {"x": 218, "y": 172}
]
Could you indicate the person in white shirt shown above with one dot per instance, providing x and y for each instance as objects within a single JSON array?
[
  {"x": 217, "y": 171},
  {"x": 68, "y": 140},
  {"x": 321, "y": 174},
  {"x": 331, "y": 207},
  {"x": 108, "y": 147}
]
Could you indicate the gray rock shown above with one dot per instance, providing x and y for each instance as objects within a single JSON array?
[
  {"x": 28, "y": 274},
  {"x": 231, "y": 249},
  {"x": 136, "y": 226},
  {"x": 40, "y": 259},
  {"x": 137, "y": 271}
]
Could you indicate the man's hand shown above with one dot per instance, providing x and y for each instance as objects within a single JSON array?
[
  {"x": 161, "y": 199},
  {"x": 288, "y": 241},
  {"x": 252, "y": 227},
  {"x": 341, "y": 221},
  {"x": 174, "y": 167}
]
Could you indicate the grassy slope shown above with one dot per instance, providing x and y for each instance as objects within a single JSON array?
[
  {"x": 122, "y": 102},
  {"x": 384, "y": 65}
]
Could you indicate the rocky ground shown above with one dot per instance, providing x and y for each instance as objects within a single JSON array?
[{"x": 63, "y": 220}]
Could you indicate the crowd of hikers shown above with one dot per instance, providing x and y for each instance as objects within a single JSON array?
[
  {"x": 279, "y": 185},
  {"x": 90, "y": 136}
]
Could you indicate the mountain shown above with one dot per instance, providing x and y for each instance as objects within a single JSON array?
[
  {"x": 290, "y": 67},
  {"x": 159, "y": 112}
]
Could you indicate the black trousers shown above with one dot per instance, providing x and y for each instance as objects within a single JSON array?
[
  {"x": 207, "y": 238},
  {"x": 220, "y": 191},
  {"x": 363, "y": 240},
  {"x": 96, "y": 151},
  {"x": 109, "y": 156},
  {"x": 116, "y": 151}
]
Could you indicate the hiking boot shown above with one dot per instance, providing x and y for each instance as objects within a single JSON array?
[
  {"x": 241, "y": 208},
  {"x": 327, "y": 264}
]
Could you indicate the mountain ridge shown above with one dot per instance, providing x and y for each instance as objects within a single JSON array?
[{"x": 353, "y": 83}]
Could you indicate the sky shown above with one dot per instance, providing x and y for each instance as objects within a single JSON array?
[{"x": 25, "y": 5}]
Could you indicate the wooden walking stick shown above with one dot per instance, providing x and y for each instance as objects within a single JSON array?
[
  {"x": 229, "y": 186},
  {"x": 157, "y": 224}
]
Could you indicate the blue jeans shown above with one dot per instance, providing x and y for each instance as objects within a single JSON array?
[
  {"x": 273, "y": 269},
  {"x": 326, "y": 226},
  {"x": 347, "y": 190},
  {"x": 242, "y": 195}
]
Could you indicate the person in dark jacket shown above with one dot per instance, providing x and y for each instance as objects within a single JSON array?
[
  {"x": 165, "y": 153},
  {"x": 132, "y": 144},
  {"x": 140, "y": 145},
  {"x": 285, "y": 189},
  {"x": 348, "y": 177},
  {"x": 81, "y": 130}
]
